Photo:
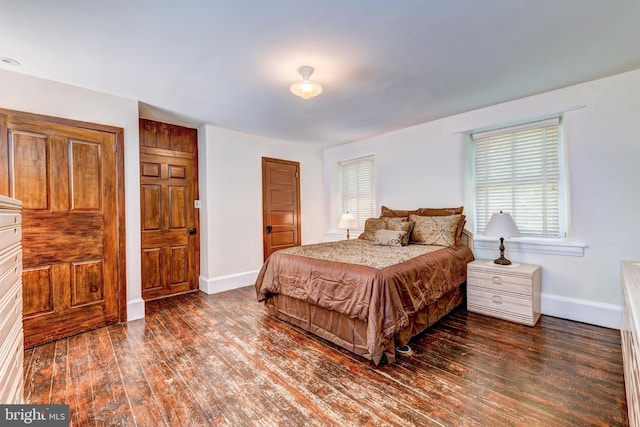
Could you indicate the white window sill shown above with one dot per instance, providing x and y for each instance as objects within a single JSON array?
[{"x": 532, "y": 245}]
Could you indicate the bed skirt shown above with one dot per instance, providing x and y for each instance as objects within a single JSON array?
[{"x": 351, "y": 333}]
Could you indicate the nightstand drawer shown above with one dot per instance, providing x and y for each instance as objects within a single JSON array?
[
  {"x": 518, "y": 284},
  {"x": 504, "y": 306}
]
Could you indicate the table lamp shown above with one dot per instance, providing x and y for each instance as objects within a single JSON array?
[
  {"x": 501, "y": 225},
  {"x": 347, "y": 221}
]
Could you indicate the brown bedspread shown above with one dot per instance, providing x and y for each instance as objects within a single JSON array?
[{"x": 379, "y": 285}]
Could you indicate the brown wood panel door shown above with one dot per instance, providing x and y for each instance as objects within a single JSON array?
[
  {"x": 169, "y": 220},
  {"x": 280, "y": 204},
  {"x": 66, "y": 177}
]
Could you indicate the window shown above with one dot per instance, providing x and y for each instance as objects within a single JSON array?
[
  {"x": 359, "y": 188},
  {"x": 518, "y": 170}
]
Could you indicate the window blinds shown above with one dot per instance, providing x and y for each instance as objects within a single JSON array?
[
  {"x": 359, "y": 188},
  {"x": 517, "y": 170}
]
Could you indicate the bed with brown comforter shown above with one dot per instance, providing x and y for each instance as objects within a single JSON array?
[{"x": 366, "y": 298}]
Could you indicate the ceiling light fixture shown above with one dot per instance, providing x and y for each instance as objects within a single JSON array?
[{"x": 306, "y": 89}]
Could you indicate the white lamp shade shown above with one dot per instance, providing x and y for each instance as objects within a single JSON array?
[
  {"x": 501, "y": 225},
  {"x": 347, "y": 220}
]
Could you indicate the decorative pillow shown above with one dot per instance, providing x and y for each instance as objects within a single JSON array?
[
  {"x": 372, "y": 225},
  {"x": 399, "y": 224},
  {"x": 388, "y": 238},
  {"x": 463, "y": 221},
  {"x": 435, "y": 230},
  {"x": 393, "y": 213},
  {"x": 437, "y": 211}
]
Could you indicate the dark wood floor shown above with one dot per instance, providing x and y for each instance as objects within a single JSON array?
[{"x": 219, "y": 360}]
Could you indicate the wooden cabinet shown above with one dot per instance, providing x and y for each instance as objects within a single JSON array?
[
  {"x": 507, "y": 292},
  {"x": 630, "y": 277},
  {"x": 11, "y": 334}
]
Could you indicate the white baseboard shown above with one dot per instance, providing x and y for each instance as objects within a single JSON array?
[
  {"x": 135, "y": 309},
  {"x": 213, "y": 285},
  {"x": 594, "y": 313}
]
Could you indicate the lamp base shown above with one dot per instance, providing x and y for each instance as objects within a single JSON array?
[{"x": 502, "y": 261}]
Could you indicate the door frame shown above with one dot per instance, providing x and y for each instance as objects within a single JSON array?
[
  {"x": 118, "y": 134},
  {"x": 265, "y": 221}
]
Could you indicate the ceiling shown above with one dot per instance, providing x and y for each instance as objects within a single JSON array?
[{"x": 384, "y": 65}]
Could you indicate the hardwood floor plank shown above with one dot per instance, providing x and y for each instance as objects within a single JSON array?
[
  {"x": 143, "y": 404},
  {"x": 176, "y": 398},
  {"x": 218, "y": 359},
  {"x": 80, "y": 396},
  {"x": 37, "y": 382},
  {"x": 110, "y": 397},
  {"x": 60, "y": 373}
]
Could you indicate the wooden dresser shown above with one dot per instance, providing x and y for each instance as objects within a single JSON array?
[
  {"x": 630, "y": 277},
  {"x": 11, "y": 335}
]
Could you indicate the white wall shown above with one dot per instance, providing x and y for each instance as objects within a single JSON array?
[
  {"x": 230, "y": 178},
  {"x": 426, "y": 165},
  {"x": 30, "y": 94}
]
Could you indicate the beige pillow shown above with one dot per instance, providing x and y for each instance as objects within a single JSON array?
[
  {"x": 400, "y": 224},
  {"x": 372, "y": 225},
  {"x": 388, "y": 237},
  {"x": 435, "y": 230}
]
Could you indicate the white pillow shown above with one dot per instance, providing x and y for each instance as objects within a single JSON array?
[{"x": 388, "y": 237}]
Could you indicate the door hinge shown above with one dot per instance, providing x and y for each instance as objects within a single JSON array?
[
  {"x": 115, "y": 148},
  {"x": 297, "y": 174}
]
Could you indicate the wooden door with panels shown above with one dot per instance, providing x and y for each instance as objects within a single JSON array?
[
  {"x": 68, "y": 176},
  {"x": 280, "y": 204},
  {"x": 169, "y": 219}
]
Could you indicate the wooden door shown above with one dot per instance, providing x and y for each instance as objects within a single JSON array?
[
  {"x": 169, "y": 188},
  {"x": 280, "y": 204},
  {"x": 67, "y": 177}
]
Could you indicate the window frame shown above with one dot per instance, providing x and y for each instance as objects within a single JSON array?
[
  {"x": 368, "y": 209},
  {"x": 508, "y": 183}
]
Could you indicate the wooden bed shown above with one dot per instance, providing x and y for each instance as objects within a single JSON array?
[{"x": 369, "y": 306}]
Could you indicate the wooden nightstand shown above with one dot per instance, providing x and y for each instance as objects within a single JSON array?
[{"x": 508, "y": 292}]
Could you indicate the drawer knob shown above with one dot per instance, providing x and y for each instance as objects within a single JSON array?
[
  {"x": 496, "y": 299},
  {"x": 497, "y": 280}
]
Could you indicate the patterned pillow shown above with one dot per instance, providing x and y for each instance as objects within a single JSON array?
[
  {"x": 435, "y": 230},
  {"x": 400, "y": 224},
  {"x": 388, "y": 237},
  {"x": 372, "y": 225}
]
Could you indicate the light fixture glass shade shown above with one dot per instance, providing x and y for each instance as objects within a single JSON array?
[
  {"x": 306, "y": 89},
  {"x": 347, "y": 220},
  {"x": 501, "y": 225}
]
